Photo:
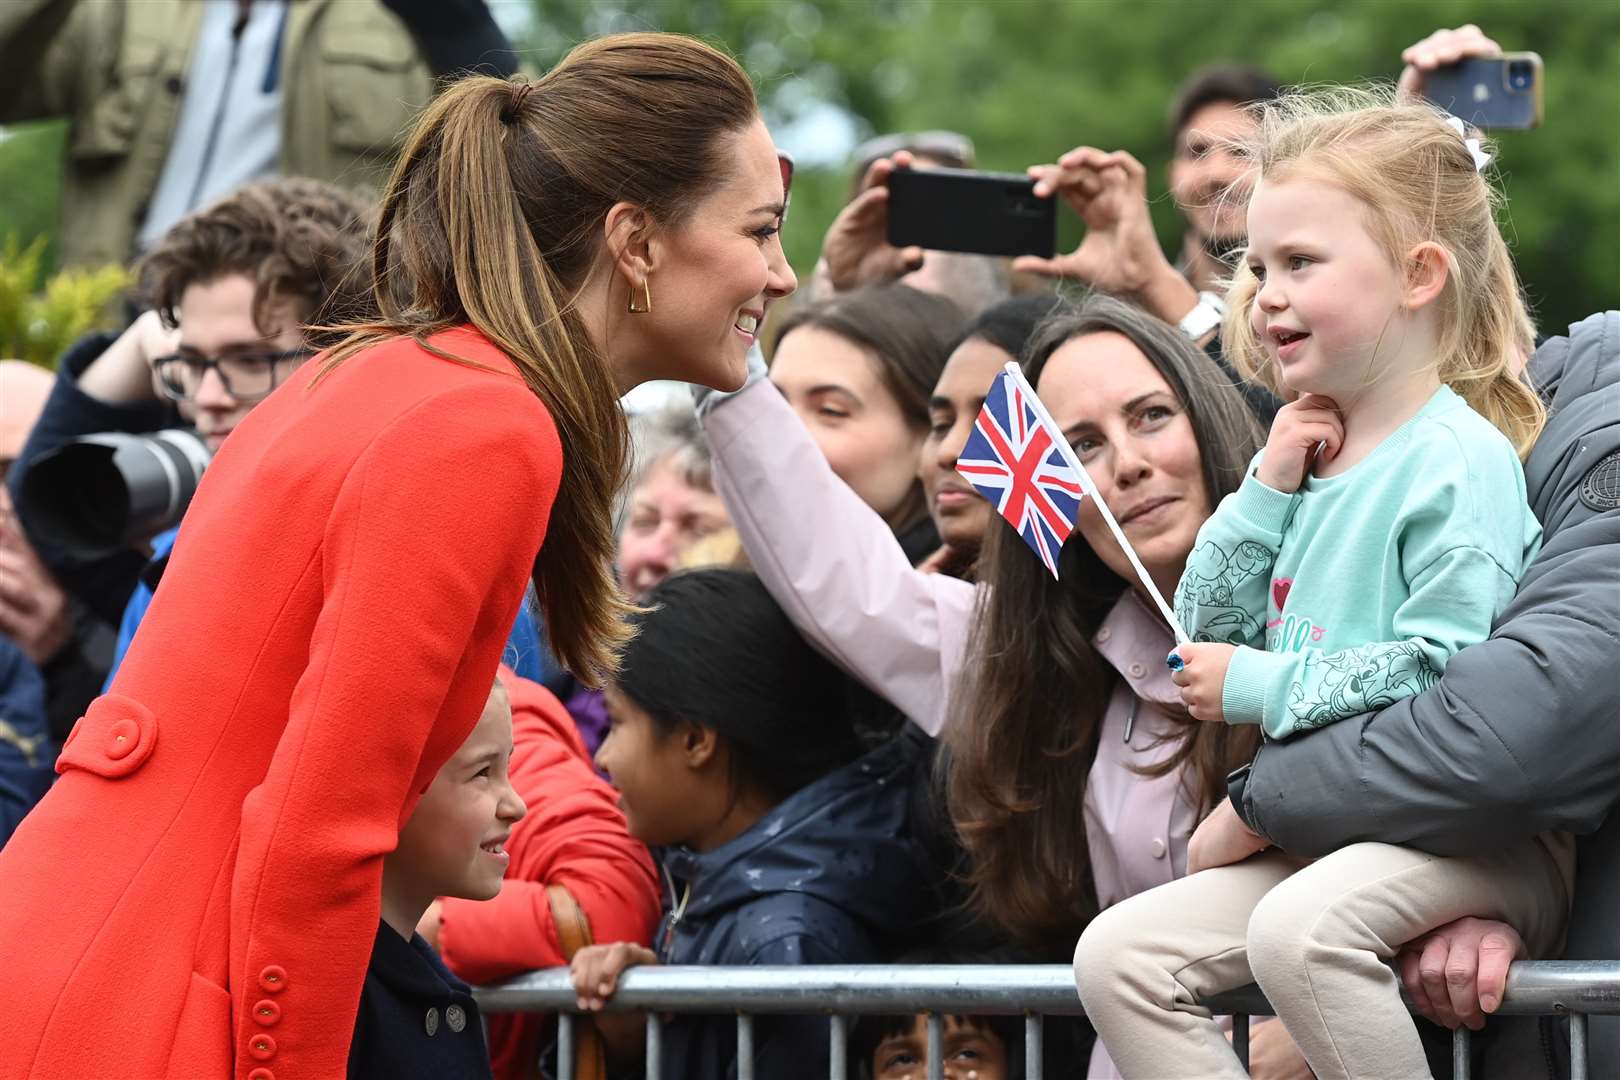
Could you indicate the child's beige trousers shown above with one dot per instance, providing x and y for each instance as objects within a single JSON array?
[{"x": 1316, "y": 936}]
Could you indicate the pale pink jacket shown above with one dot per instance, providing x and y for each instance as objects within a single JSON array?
[{"x": 835, "y": 568}]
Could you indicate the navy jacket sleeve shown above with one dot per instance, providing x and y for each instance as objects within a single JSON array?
[
  {"x": 26, "y": 752},
  {"x": 103, "y": 585},
  {"x": 1518, "y": 737}
]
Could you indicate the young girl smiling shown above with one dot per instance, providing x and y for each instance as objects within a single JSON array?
[{"x": 1382, "y": 529}]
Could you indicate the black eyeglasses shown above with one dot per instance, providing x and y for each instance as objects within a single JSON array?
[{"x": 245, "y": 376}]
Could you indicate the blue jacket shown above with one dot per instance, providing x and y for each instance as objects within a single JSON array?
[
  {"x": 26, "y": 752},
  {"x": 834, "y": 874},
  {"x": 523, "y": 651}
]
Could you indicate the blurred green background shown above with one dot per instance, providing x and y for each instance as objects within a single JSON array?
[{"x": 1030, "y": 79}]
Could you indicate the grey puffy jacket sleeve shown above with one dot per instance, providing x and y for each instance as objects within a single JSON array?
[{"x": 1522, "y": 734}]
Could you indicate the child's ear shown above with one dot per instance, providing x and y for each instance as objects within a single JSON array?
[
  {"x": 700, "y": 745},
  {"x": 1428, "y": 267}
]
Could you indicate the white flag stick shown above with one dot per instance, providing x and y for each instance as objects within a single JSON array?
[{"x": 1091, "y": 489}]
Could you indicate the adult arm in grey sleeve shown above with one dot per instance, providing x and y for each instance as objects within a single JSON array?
[{"x": 1520, "y": 736}]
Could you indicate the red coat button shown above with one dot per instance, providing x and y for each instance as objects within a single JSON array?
[
  {"x": 262, "y": 1047},
  {"x": 121, "y": 739},
  {"x": 273, "y": 979},
  {"x": 261, "y": 1074},
  {"x": 266, "y": 1012}
]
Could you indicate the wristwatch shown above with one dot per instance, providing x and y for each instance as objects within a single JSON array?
[{"x": 1205, "y": 317}]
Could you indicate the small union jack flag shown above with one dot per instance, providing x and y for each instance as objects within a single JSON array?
[{"x": 1013, "y": 459}]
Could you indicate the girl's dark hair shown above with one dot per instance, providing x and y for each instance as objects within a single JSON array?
[
  {"x": 493, "y": 217},
  {"x": 1025, "y": 724},
  {"x": 908, "y": 332},
  {"x": 713, "y": 648},
  {"x": 1011, "y": 325}
]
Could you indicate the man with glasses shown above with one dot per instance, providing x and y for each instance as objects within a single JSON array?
[{"x": 231, "y": 289}]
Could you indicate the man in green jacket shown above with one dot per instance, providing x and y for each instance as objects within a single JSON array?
[{"x": 172, "y": 104}]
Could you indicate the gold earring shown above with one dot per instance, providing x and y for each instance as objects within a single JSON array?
[{"x": 646, "y": 298}]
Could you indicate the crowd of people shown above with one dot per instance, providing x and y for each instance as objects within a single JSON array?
[{"x": 462, "y": 670}]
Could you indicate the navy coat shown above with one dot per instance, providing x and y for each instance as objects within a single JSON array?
[
  {"x": 832, "y": 875},
  {"x": 415, "y": 1019}
]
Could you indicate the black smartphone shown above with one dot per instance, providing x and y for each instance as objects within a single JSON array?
[
  {"x": 979, "y": 213},
  {"x": 1490, "y": 91}
]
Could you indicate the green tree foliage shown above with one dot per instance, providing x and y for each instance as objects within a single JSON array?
[
  {"x": 37, "y": 323},
  {"x": 1030, "y": 79}
]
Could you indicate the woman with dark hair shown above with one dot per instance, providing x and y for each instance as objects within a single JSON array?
[
  {"x": 996, "y": 337},
  {"x": 356, "y": 555},
  {"x": 858, "y": 369},
  {"x": 734, "y": 752},
  {"x": 1052, "y": 696}
]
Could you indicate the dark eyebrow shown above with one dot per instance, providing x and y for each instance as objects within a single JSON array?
[
  {"x": 1129, "y": 407},
  {"x": 939, "y": 401},
  {"x": 833, "y": 388},
  {"x": 259, "y": 346},
  {"x": 776, "y": 209}
]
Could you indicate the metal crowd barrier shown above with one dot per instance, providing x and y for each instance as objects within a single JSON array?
[{"x": 1535, "y": 988}]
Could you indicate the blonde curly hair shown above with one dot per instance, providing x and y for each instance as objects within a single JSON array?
[{"x": 1418, "y": 182}]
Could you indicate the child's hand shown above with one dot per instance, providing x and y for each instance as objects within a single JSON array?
[
  {"x": 596, "y": 969},
  {"x": 1300, "y": 425},
  {"x": 1222, "y": 839},
  {"x": 1202, "y": 677}
]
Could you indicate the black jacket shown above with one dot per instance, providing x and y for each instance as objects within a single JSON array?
[
  {"x": 415, "y": 1019},
  {"x": 832, "y": 875},
  {"x": 1522, "y": 734}
]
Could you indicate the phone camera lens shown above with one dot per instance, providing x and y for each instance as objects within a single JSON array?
[{"x": 1520, "y": 75}]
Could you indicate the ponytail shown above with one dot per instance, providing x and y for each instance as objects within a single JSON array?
[{"x": 493, "y": 217}]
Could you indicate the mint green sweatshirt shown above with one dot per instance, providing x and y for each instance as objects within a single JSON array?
[{"x": 1354, "y": 591}]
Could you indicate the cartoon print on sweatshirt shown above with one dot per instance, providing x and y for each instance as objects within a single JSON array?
[
  {"x": 1360, "y": 680},
  {"x": 1219, "y": 592}
]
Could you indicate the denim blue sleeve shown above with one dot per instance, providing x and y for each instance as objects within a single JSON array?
[{"x": 26, "y": 753}]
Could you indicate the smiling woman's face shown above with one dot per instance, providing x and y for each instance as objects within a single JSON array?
[{"x": 1135, "y": 439}]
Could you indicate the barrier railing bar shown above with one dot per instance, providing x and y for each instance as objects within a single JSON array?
[
  {"x": 1534, "y": 988},
  {"x": 936, "y": 1046},
  {"x": 655, "y": 1046},
  {"x": 1240, "y": 1038},
  {"x": 1034, "y": 1047},
  {"x": 565, "y": 1046},
  {"x": 840, "y": 1047},
  {"x": 745, "y": 1047},
  {"x": 1577, "y": 1046},
  {"x": 1461, "y": 1067}
]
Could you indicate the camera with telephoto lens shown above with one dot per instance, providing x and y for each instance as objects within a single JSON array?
[{"x": 103, "y": 493}]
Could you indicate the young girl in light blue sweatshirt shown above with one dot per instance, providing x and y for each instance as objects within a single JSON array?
[{"x": 1383, "y": 528}]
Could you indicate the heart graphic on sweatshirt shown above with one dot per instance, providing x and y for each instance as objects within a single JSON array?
[{"x": 1279, "y": 591}]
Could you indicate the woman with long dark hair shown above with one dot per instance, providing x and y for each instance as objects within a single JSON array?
[
  {"x": 333, "y": 614},
  {"x": 1074, "y": 776}
]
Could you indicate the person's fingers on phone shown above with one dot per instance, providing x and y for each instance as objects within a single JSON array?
[
  {"x": 1046, "y": 179},
  {"x": 1083, "y": 157},
  {"x": 911, "y": 258},
  {"x": 1035, "y": 264}
]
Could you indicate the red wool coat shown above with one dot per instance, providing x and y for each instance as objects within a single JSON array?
[
  {"x": 574, "y": 836},
  {"x": 199, "y": 893}
]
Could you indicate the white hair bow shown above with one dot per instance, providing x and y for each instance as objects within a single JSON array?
[{"x": 1481, "y": 158}]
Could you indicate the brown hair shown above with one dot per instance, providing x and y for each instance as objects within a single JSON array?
[
  {"x": 301, "y": 241},
  {"x": 909, "y": 335},
  {"x": 1024, "y": 726},
  {"x": 494, "y": 216},
  {"x": 1417, "y": 180}
]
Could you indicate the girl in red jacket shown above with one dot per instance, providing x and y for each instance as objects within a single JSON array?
[{"x": 198, "y": 895}]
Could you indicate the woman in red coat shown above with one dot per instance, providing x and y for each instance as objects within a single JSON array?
[{"x": 198, "y": 895}]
